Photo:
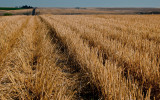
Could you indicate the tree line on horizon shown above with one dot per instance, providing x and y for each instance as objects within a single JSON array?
[{"x": 25, "y": 7}]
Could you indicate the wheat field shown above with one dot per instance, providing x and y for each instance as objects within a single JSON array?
[{"x": 80, "y": 57}]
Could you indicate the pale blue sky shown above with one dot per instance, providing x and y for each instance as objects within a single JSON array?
[{"x": 81, "y": 3}]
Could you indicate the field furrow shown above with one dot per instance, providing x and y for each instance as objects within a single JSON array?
[
  {"x": 31, "y": 71},
  {"x": 87, "y": 58},
  {"x": 80, "y": 57},
  {"x": 142, "y": 66},
  {"x": 133, "y": 25},
  {"x": 107, "y": 31},
  {"x": 69, "y": 64},
  {"x": 85, "y": 34}
]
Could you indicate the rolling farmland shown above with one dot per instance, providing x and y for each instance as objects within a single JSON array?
[
  {"x": 74, "y": 57},
  {"x": 94, "y": 10},
  {"x": 15, "y": 12}
]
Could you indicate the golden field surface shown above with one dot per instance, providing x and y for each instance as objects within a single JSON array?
[{"x": 80, "y": 57}]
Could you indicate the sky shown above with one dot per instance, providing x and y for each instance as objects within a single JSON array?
[{"x": 81, "y": 3}]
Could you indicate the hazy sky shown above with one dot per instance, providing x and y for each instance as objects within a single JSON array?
[{"x": 81, "y": 3}]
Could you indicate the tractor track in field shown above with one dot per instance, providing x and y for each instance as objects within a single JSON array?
[
  {"x": 106, "y": 55},
  {"x": 84, "y": 90},
  {"x": 110, "y": 37},
  {"x": 54, "y": 57}
]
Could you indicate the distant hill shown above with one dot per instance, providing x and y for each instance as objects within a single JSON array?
[
  {"x": 94, "y": 10},
  {"x": 16, "y": 8},
  {"x": 9, "y": 8}
]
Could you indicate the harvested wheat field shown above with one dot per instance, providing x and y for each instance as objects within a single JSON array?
[{"x": 80, "y": 57}]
